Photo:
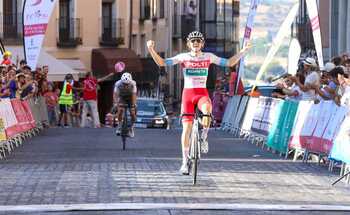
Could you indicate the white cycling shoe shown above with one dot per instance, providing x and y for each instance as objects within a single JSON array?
[{"x": 184, "y": 170}]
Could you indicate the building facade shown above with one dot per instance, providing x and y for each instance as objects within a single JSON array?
[{"x": 93, "y": 35}]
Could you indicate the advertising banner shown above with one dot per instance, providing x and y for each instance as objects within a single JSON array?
[
  {"x": 9, "y": 117},
  {"x": 2, "y": 130},
  {"x": 249, "y": 113},
  {"x": 316, "y": 31},
  {"x": 280, "y": 132},
  {"x": 264, "y": 115},
  {"x": 21, "y": 116},
  {"x": 341, "y": 147},
  {"x": 36, "y": 15},
  {"x": 247, "y": 36}
]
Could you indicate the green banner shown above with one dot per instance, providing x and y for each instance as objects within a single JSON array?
[{"x": 279, "y": 134}]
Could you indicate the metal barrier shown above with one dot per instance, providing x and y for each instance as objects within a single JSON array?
[
  {"x": 287, "y": 127},
  {"x": 20, "y": 120}
]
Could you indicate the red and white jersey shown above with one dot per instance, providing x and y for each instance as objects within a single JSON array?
[{"x": 195, "y": 68}]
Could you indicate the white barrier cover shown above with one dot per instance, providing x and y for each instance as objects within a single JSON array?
[
  {"x": 7, "y": 113},
  {"x": 311, "y": 120},
  {"x": 333, "y": 127},
  {"x": 303, "y": 110},
  {"x": 249, "y": 114},
  {"x": 325, "y": 115},
  {"x": 240, "y": 112}
]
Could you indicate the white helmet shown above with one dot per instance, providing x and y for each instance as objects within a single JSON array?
[{"x": 126, "y": 78}]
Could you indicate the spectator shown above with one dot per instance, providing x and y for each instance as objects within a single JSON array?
[
  {"x": 6, "y": 59},
  {"x": 90, "y": 98},
  {"x": 66, "y": 99},
  {"x": 27, "y": 89},
  {"x": 22, "y": 63},
  {"x": 21, "y": 81},
  {"x": 255, "y": 92},
  {"x": 76, "y": 111},
  {"x": 329, "y": 82},
  {"x": 4, "y": 92},
  {"x": 12, "y": 83},
  {"x": 51, "y": 99},
  {"x": 312, "y": 78}
]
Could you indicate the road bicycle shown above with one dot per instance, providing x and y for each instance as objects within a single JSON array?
[
  {"x": 125, "y": 129},
  {"x": 195, "y": 143}
]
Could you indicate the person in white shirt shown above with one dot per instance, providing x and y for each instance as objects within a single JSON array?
[{"x": 312, "y": 79}]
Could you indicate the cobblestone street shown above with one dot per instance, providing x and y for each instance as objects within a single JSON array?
[{"x": 87, "y": 166}]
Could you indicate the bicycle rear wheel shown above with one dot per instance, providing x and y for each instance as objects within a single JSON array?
[
  {"x": 194, "y": 157},
  {"x": 124, "y": 141},
  {"x": 125, "y": 129}
]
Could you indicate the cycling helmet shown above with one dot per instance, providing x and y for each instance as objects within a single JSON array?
[
  {"x": 126, "y": 78},
  {"x": 195, "y": 35}
]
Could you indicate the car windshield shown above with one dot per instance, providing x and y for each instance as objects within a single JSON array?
[{"x": 150, "y": 106}]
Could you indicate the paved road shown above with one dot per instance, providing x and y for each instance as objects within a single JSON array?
[{"x": 87, "y": 166}]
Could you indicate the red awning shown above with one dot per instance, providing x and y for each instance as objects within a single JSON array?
[{"x": 104, "y": 59}]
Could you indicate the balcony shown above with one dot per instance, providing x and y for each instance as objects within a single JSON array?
[
  {"x": 69, "y": 32},
  {"x": 11, "y": 28},
  {"x": 112, "y": 32}
]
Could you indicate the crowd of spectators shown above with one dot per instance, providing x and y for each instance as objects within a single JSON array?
[{"x": 312, "y": 83}]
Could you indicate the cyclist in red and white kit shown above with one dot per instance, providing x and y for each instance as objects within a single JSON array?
[{"x": 195, "y": 66}]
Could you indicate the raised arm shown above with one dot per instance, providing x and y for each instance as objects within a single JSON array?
[
  {"x": 156, "y": 57},
  {"x": 234, "y": 59},
  {"x": 105, "y": 77}
]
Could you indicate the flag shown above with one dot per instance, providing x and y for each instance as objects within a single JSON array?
[
  {"x": 316, "y": 31},
  {"x": 36, "y": 15},
  {"x": 247, "y": 36}
]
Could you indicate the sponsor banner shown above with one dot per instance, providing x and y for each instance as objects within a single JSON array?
[
  {"x": 300, "y": 120},
  {"x": 316, "y": 126},
  {"x": 264, "y": 115},
  {"x": 280, "y": 132},
  {"x": 36, "y": 15},
  {"x": 316, "y": 31},
  {"x": 21, "y": 115},
  {"x": 341, "y": 147},
  {"x": 249, "y": 114},
  {"x": 240, "y": 112},
  {"x": 9, "y": 117},
  {"x": 2, "y": 130},
  {"x": 247, "y": 36},
  {"x": 28, "y": 111}
]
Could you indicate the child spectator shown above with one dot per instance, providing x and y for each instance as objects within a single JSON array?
[{"x": 51, "y": 99}]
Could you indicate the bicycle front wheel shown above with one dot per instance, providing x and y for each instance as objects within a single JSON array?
[
  {"x": 195, "y": 157},
  {"x": 124, "y": 141}
]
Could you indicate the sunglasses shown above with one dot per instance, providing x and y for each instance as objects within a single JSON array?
[{"x": 196, "y": 40}]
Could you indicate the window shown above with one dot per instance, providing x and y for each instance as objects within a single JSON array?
[
  {"x": 134, "y": 43},
  {"x": 68, "y": 27},
  {"x": 161, "y": 9},
  {"x": 11, "y": 19},
  {"x": 145, "y": 9},
  {"x": 107, "y": 26}
]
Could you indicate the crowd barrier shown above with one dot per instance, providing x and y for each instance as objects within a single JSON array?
[
  {"x": 20, "y": 120},
  {"x": 286, "y": 126}
]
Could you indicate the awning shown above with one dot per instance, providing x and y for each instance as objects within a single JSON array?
[
  {"x": 104, "y": 59},
  {"x": 57, "y": 69},
  {"x": 74, "y": 63}
]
